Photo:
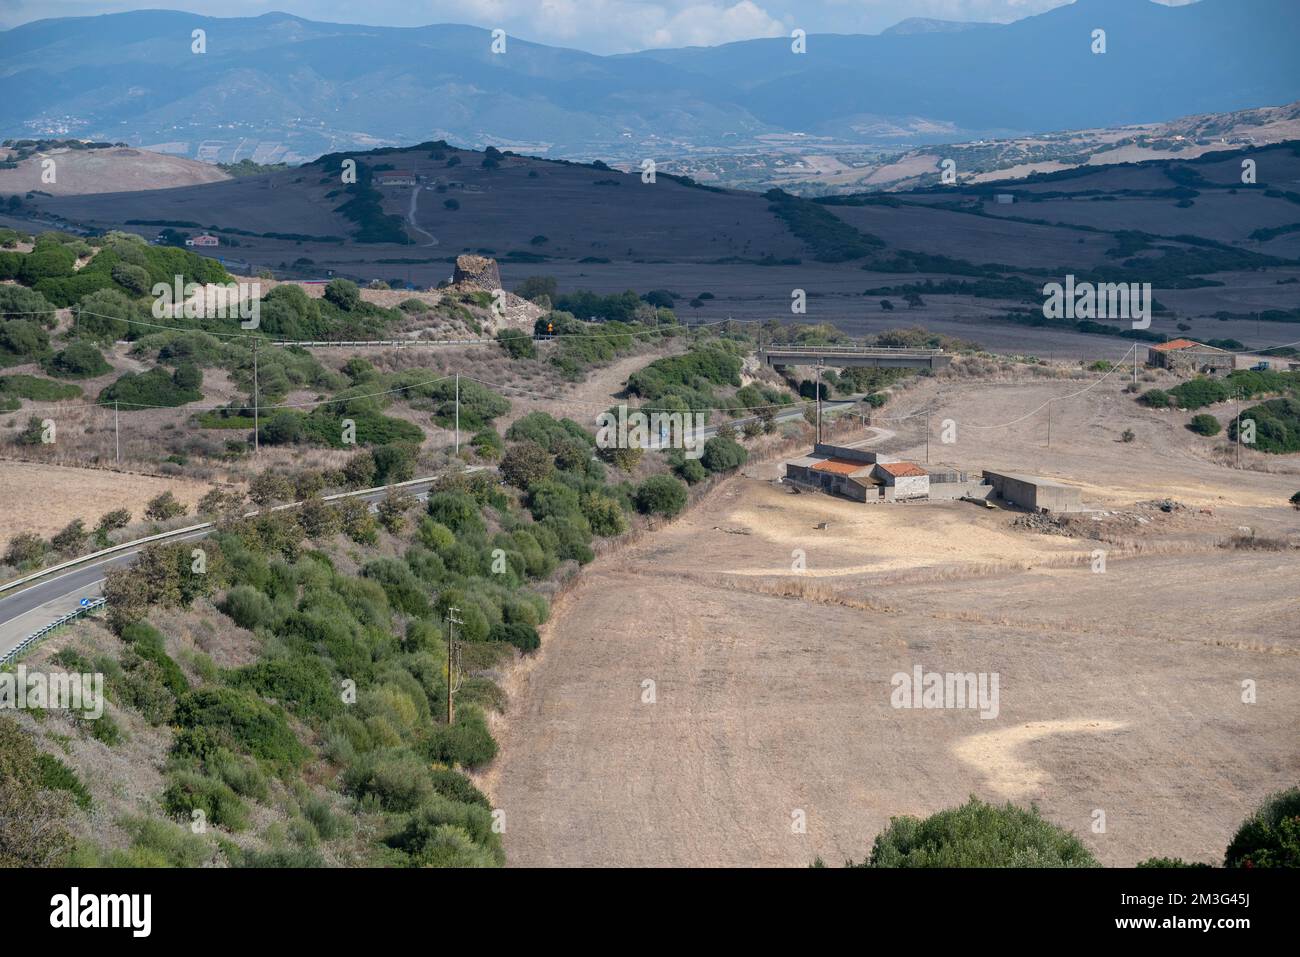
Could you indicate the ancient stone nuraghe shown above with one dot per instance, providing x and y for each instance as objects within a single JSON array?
[{"x": 477, "y": 271}]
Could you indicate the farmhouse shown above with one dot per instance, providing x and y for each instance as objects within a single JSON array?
[
  {"x": 395, "y": 177},
  {"x": 1185, "y": 355},
  {"x": 1034, "y": 493},
  {"x": 203, "y": 240},
  {"x": 865, "y": 476}
]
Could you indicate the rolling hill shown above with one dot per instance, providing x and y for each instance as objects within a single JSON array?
[{"x": 1223, "y": 257}]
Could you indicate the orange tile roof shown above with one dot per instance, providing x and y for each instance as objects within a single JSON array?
[
  {"x": 902, "y": 469},
  {"x": 840, "y": 466},
  {"x": 1175, "y": 344}
]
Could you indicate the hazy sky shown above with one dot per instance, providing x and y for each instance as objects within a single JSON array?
[{"x": 600, "y": 26}]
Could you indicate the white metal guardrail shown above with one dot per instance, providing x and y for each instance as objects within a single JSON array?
[
  {"x": 190, "y": 529},
  {"x": 386, "y": 343},
  {"x": 852, "y": 350},
  {"x": 93, "y": 604},
  {"x": 34, "y": 637}
]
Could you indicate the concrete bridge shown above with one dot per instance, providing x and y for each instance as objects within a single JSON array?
[{"x": 842, "y": 356}]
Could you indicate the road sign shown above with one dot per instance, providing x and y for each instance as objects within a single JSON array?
[{"x": 85, "y": 603}]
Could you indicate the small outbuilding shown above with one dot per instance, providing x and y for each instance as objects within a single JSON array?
[{"x": 1034, "y": 493}]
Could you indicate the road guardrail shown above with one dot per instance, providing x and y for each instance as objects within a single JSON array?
[{"x": 22, "y": 646}]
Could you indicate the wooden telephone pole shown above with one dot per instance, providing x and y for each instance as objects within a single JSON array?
[
  {"x": 453, "y": 657},
  {"x": 257, "y": 443}
]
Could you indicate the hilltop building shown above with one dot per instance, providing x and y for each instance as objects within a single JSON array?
[
  {"x": 204, "y": 239},
  {"x": 395, "y": 177}
]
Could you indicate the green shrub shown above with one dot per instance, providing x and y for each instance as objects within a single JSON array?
[
  {"x": 1271, "y": 836},
  {"x": 1198, "y": 393},
  {"x": 164, "y": 507},
  {"x": 1163, "y": 862},
  {"x": 1156, "y": 398},
  {"x": 517, "y": 344},
  {"x": 525, "y": 464},
  {"x": 603, "y": 513},
  {"x": 187, "y": 792},
  {"x": 300, "y": 683},
  {"x": 235, "y": 718},
  {"x": 522, "y": 636},
  {"x": 467, "y": 742},
  {"x": 660, "y": 495},
  {"x": 1205, "y": 424},
  {"x": 344, "y": 294},
  {"x": 152, "y": 389},
  {"x": 148, "y": 642},
  {"x": 1277, "y": 425},
  {"x": 723, "y": 454},
  {"x": 395, "y": 779},
  {"x": 456, "y": 511},
  {"x": 80, "y": 360},
  {"x": 978, "y": 835},
  {"x": 691, "y": 470},
  {"x": 57, "y": 776},
  {"x": 445, "y": 833},
  {"x": 248, "y": 607},
  {"x": 404, "y": 590}
]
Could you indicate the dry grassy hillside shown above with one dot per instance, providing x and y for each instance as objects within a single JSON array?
[{"x": 117, "y": 170}]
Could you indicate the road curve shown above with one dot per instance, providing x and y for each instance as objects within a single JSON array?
[{"x": 26, "y": 610}]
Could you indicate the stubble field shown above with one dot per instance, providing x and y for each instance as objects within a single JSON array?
[{"x": 1120, "y": 692}]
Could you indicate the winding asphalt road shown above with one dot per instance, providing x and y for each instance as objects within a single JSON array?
[{"x": 25, "y": 610}]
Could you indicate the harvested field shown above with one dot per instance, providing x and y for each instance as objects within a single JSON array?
[
  {"x": 1120, "y": 692},
  {"x": 54, "y": 495}
]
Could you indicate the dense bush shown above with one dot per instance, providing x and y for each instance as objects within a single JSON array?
[
  {"x": 723, "y": 455},
  {"x": 1277, "y": 425},
  {"x": 977, "y": 835},
  {"x": 525, "y": 464},
  {"x": 467, "y": 742},
  {"x": 661, "y": 495},
  {"x": 153, "y": 389},
  {"x": 517, "y": 344},
  {"x": 1271, "y": 836},
  {"x": 1198, "y": 393},
  {"x": 520, "y": 634},
  {"x": 81, "y": 360},
  {"x": 236, "y": 719},
  {"x": 1205, "y": 424}
]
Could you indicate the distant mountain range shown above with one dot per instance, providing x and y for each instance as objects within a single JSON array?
[{"x": 278, "y": 87}]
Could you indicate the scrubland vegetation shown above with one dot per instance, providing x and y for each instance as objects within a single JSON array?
[{"x": 986, "y": 835}]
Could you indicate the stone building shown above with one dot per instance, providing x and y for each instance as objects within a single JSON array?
[{"x": 481, "y": 272}]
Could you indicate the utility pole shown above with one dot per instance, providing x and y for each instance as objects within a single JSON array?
[
  {"x": 117, "y": 435},
  {"x": 458, "y": 413},
  {"x": 453, "y": 656},
  {"x": 819, "y": 400},
  {"x": 1049, "y": 423},
  {"x": 1237, "y": 395},
  {"x": 1135, "y": 363},
  {"x": 257, "y": 443}
]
